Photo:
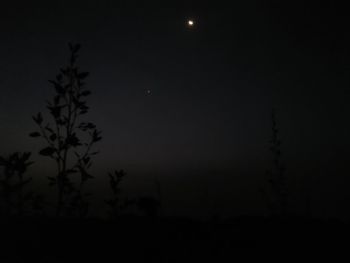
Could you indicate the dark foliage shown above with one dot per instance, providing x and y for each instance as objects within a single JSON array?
[
  {"x": 148, "y": 205},
  {"x": 277, "y": 194},
  {"x": 69, "y": 141},
  {"x": 13, "y": 184},
  {"x": 115, "y": 203}
]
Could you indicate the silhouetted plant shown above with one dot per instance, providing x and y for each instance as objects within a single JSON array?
[
  {"x": 13, "y": 195},
  {"x": 278, "y": 194},
  {"x": 115, "y": 204},
  {"x": 69, "y": 141},
  {"x": 148, "y": 205}
]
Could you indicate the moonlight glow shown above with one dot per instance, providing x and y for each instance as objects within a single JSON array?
[{"x": 190, "y": 23}]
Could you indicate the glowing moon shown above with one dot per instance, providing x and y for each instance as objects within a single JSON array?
[{"x": 190, "y": 23}]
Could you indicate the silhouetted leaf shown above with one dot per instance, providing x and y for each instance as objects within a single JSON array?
[
  {"x": 55, "y": 111},
  {"x": 48, "y": 151},
  {"x": 38, "y": 118},
  {"x": 96, "y": 136},
  {"x": 83, "y": 75},
  {"x": 49, "y": 129},
  {"x": 53, "y": 137},
  {"x": 29, "y": 163},
  {"x": 58, "y": 87},
  {"x": 73, "y": 140},
  {"x": 52, "y": 180},
  {"x": 27, "y": 181},
  {"x": 86, "y": 160},
  {"x": 34, "y": 134}
]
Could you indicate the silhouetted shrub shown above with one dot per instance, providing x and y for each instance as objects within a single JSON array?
[
  {"x": 69, "y": 141},
  {"x": 13, "y": 194},
  {"x": 115, "y": 204},
  {"x": 148, "y": 205},
  {"x": 277, "y": 194}
]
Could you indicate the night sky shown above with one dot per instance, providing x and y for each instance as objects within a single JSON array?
[{"x": 191, "y": 106}]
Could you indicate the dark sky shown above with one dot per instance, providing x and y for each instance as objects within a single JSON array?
[{"x": 206, "y": 124}]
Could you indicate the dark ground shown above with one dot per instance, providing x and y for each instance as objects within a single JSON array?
[{"x": 141, "y": 239}]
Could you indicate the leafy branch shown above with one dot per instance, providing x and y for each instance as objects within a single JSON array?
[
  {"x": 278, "y": 199},
  {"x": 12, "y": 183},
  {"x": 69, "y": 141}
]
